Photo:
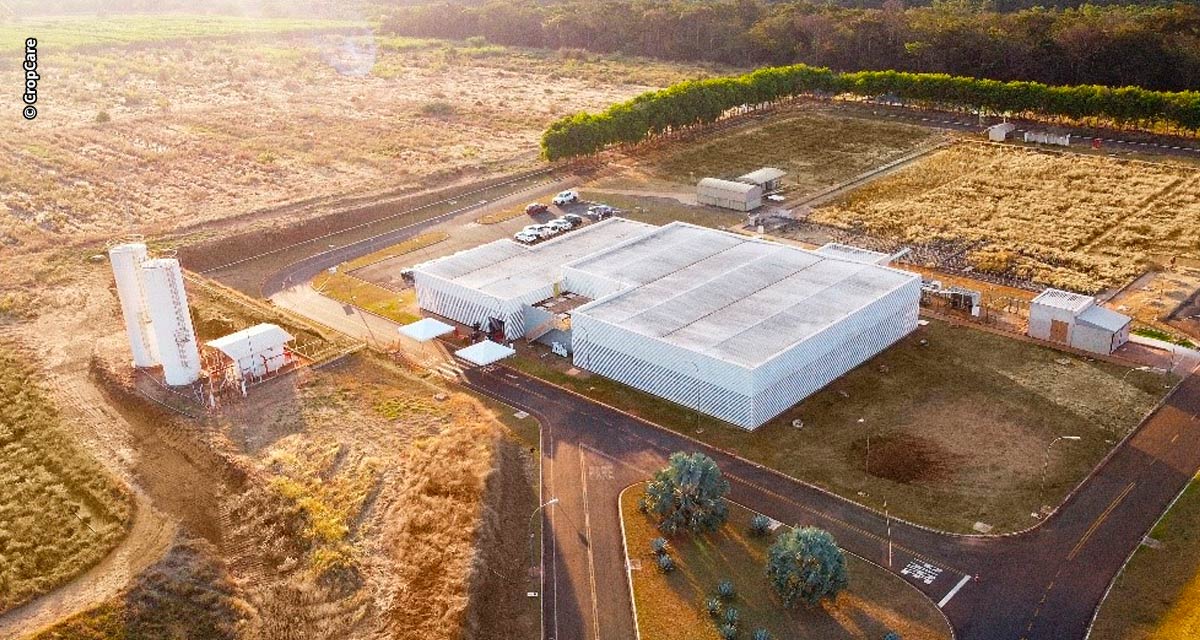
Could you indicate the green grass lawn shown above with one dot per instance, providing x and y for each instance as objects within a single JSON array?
[
  {"x": 1157, "y": 596},
  {"x": 347, "y": 289},
  {"x": 958, "y": 419},
  {"x": 671, "y": 606}
]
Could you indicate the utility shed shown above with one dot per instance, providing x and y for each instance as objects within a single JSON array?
[
  {"x": 768, "y": 178},
  {"x": 728, "y": 194},
  {"x": 256, "y": 351},
  {"x": 1076, "y": 320},
  {"x": 739, "y": 328}
]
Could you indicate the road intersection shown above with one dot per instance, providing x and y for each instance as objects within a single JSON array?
[{"x": 1045, "y": 583}]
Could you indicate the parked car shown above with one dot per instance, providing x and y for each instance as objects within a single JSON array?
[
  {"x": 532, "y": 228},
  {"x": 546, "y": 231},
  {"x": 534, "y": 208},
  {"x": 566, "y": 197},
  {"x": 561, "y": 225},
  {"x": 525, "y": 237},
  {"x": 573, "y": 219},
  {"x": 600, "y": 211}
]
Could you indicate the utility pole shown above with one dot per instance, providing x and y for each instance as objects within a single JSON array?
[
  {"x": 535, "y": 512},
  {"x": 1046, "y": 465}
]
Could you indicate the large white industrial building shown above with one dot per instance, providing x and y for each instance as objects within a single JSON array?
[{"x": 739, "y": 328}]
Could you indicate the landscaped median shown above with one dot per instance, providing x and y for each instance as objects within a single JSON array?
[
  {"x": 342, "y": 285},
  {"x": 1157, "y": 595},
  {"x": 673, "y": 605}
]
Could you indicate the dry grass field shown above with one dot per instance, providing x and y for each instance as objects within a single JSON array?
[
  {"x": 671, "y": 606},
  {"x": 1079, "y": 222},
  {"x": 150, "y": 126},
  {"x": 817, "y": 147},
  {"x": 60, "y": 511},
  {"x": 958, "y": 421}
]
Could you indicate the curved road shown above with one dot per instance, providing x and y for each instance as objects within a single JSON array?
[{"x": 1045, "y": 583}]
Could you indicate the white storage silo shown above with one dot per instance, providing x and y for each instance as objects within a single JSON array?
[
  {"x": 167, "y": 300},
  {"x": 127, "y": 262}
]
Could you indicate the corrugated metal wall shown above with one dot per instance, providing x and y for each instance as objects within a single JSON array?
[{"x": 742, "y": 396}]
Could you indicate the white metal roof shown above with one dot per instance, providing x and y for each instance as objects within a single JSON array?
[
  {"x": 484, "y": 353},
  {"x": 1103, "y": 318},
  {"x": 1066, "y": 300},
  {"x": 726, "y": 185},
  {"x": 250, "y": 341},
  {"x": 763, "y": 175},
  {"x": 733, "y": 297},
  {"x": 426, "y": 329},
  {"x": 857, "y": 254},
  {"x": 507, "y": 269}
]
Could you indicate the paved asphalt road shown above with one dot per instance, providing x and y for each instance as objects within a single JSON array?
[{"x": 1045, "y": 583}]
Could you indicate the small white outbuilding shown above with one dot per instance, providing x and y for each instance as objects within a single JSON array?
[
  {"x": 1077, "y": 321},
  {"x": 728, "y": 194},
  {"x": 255, "y": 351},
  {"x": 767, "y": 178},
  {"x": 999, "y": 132}
]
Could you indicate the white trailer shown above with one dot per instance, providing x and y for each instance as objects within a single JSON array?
[{"x": 728, "y": 194}]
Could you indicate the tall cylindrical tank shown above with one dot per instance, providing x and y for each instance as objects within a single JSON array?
[
  {"x": 167, "y": 299},
  {"x": 127, "y": 262}
]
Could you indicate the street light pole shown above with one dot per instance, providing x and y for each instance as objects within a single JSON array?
[
  {"x": 1046, "y": 466},
  {"x": 535, "y": 512}
]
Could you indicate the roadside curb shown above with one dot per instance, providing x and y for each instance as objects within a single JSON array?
[
  {"x": 637, "y": 630},
  {"x": 1119, "y": 445}
]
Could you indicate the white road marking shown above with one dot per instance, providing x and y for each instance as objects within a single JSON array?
[
  {"x": 587, "y": 525},
  {"x": 953, "y": 591}
]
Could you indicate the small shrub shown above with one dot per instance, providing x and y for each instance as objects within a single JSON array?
[
  {"x": 891, "y": 635},
  {"x": 725, "y": 590},
  {"x": 713, "y": 606},
  {"x": 102, "y": 117},
  {"x": 438, "y": 109},
  {"x": 727, "y": 632},
  {"x": 761, "y": 634},
  {"x": 666, "y": 563},
  {"x": 760, "y": 525},
  {"x": 659, "y": 545},
  {"x": 476, "y": 41},
  {"x": 732, "y": 616}
]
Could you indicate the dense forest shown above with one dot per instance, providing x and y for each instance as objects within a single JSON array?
[{"x": 1150, "y": 45}]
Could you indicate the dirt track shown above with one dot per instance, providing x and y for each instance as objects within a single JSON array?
[{"x": 148, "y": 540}]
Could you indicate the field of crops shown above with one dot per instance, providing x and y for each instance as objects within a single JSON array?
[
  {"x": 1079, "y": 222},
  {"x": 60, "y": 512}
]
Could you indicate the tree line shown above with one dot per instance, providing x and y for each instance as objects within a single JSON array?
[
  {"x": 699, "y": 102},
  {"x": 1151, "y": 45}
]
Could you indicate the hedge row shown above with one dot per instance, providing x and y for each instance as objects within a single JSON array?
[{"x": 697, "y": 102}]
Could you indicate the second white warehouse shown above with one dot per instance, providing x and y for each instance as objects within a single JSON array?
[{"x": 736, "y": 327}]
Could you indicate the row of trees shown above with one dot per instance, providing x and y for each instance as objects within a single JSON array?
[
  {"x": 1138, "y": 43},
  {"x": 698, "y": 102}
]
